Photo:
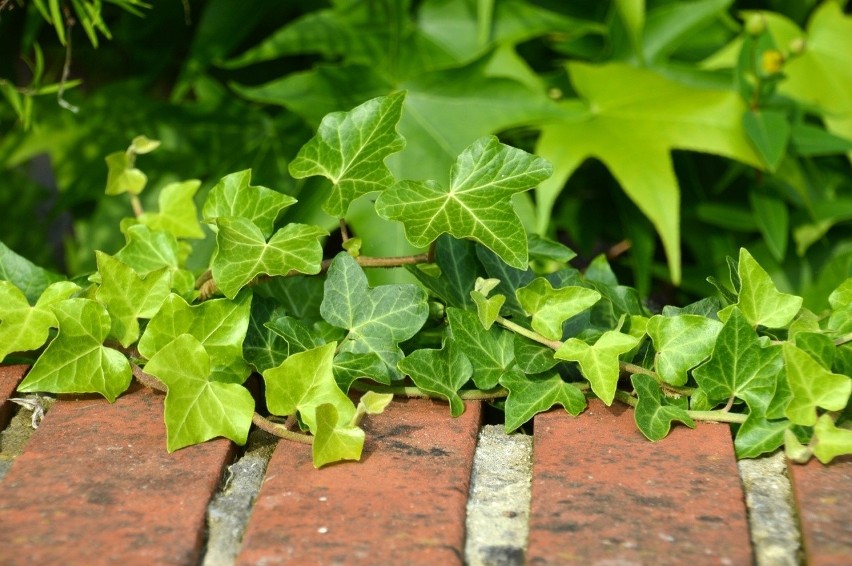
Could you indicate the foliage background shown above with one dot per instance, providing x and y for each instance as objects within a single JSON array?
[{"x": 641, "y": 106}]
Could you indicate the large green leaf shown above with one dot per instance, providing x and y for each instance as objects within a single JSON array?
[
  {"x": 759, "y": 435},
  {"x": 490, "y": 351},
  {"x": 197, "y": 406},
  {"x": 551, "y": 307},
  {"x": 477, "y": 204},
  {"x": 377, "y": 319},
  {"x": 599, "y": 362},
  {"x": 177, "y": 212},
  {"x": 759, "y": 300},
  {"x": 350, "y": 149},
  {"x": 22, "y": 327},
  {"x": 242, "y": 252},
  {"x": 681, "y": 343},
  {"x": 442, "y": 372},
  {"x": 631, "y": 119},
  {"x": 76, "y": 360},
  {"x": 26, "y": 276},
  {"x": 233, "y": 195},
  {"x": 812, "y": 386},
  {"x": 335, "y": 440},
  {"x": 653, "y": 414},
  {"x": 533, "y": 394}
]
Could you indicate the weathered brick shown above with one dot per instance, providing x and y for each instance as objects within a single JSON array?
[{"x": 10, "y": 376}]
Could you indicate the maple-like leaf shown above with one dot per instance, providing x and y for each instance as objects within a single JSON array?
[
  {"x": 490, "y": 351},
  {"x": 653, "y": 414},
  {"x": 533, "y": 394},
  {"x": 812, "y": 386},
  {"x": 442, "y": 372},
  {"x": 24, "y": 327},
  {"x": 234, "y": 195},
  {"x": 551, "y": 307},
  {"x": 599, "y": 361},
  {"x": 681, "y": 342},
  {"x": 177, "y": 213},
  {"x": 335, "y": 440},
  {"x": 830, "y": 441}
]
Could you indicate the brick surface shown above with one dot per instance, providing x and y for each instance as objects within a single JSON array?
[
  {"x": 822, "y": 494},
  {"x": 603, "y": 494},
  {"x": 10, "y": 376},
  {"x": 96, "y": 486},
  {"x": 403, "y": 503}
]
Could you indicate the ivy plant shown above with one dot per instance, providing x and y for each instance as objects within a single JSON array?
[{"x": 495, "y": 315}]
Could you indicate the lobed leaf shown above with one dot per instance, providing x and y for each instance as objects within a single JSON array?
[
  {"x": 333, "y": 440},
  {"x": 551, "y": 307},
  {"x": 830, "y": 441},
  {"x": 812, "y": 386},
  {"x": 22, "y": 327},
  {"x": 177, "y": 212},
  {"x": 653, "y": 414},
  {"x": 442, "y": 372},
  {"x": 681, "y": 343},
  {"x": 233, "y": 195},
  {"x": 533, "y": 394},
  {"x": 599, "y": 362},
  {"x": 491, "y": 352},
  {"x": 759, "y": 300}
]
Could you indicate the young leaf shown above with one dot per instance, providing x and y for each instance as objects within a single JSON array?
[
  {"x": 533, "y": 394},
  {"x": 122, "y": 177},
  {"x": 22, "y": 327},
  {"x": 83, "y": 326},
  {"x": 487, "y": 308},
  {"x": 197, "y": 407},
  {"x": 148, "y": 250},
  {"x": 551, "y": 307},
  {"x": 830, "y": 441},
  {"x": 243, "y": 253},
  {"x": 681, "y": 343},
  {"x": 372, "y": 403},
  {"x": 233, "y": 195},
  {"x": 335, "y": 441},
  {"x": 599, "y": 362},
  {"x": 442, "y": 372},
  {"x": 23, "y": 274},
  {"x": 178, "y": 214},
  {"x": 740, "y": 367},
  {"x": 653, "y": 414},
  {"x": 759, "y": 435},
  {"x": 812, "y": 386},
  {"x": 510, "y": 279},
  {"x": 476, "y": 205},
  {"x": 491, "y": 352},
  {"x": 350, "y": 149},
  {"x": 377, "y": 319}
]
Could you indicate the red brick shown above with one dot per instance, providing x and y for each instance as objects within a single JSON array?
[
  {"x": 403, "y": 503},
  {"x": 96, "y": 486},
  {"x": 603, "y": 494},
  {"x": 10, "y": 376},
  {"x": 822, "y": 494}
]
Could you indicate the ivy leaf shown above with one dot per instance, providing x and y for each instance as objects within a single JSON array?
[
  {"x": 599, "y": 362},
  {"x": 128, "y": 297},
  {"x": 303, "y": 382},
  {"x": 220, "y": 325},
  {"x": 759, "y": 300},
  {"x": 350, "y": 149},
  {"x": 830, "y": 441},
  {"x": 335, "y": 441},
  {"x": 533, "y": 394},
  {"x": 25, "y": 275},
  {"x": 263, "y": 347},
  {"x": 295, "y": 333},
  {"x": 442, "y": 372},
  {"x": 487, "y": 308},
  {"x": 198, "y": 407},
  {"x": 349, "y": 367},
  {"x": 459, "y": 268},
  {"x": 177, "y": 212},
  {"x": 653, "y": 414},
  {"x": 740, "y": 367},
  {"x": 477, "y": 204},
  {"x": 840, "y": 300},
  {"x": 22, "y": 327},
  {"x": 242, "y": 252},
  {"x": 551, "y": 307},
  {"x": 122, "y": 177},
  {"x": 532, "y": 357},
  {"x": 812, "y": 386},
  {"x": 233, "y": 195},
  {"x": 759, "y": 435},
  {"x": 631, "y": 119},
  {"x": 300, "y": 296},
  {"x": 76, "y": 360},
  {"x": 510, "y": 279},
  {"x": 491, "y": 352},
  {"x": 148, "y": 250},
  {"x": 377, "y": 319},
  {"x": 681, "y": 343}
]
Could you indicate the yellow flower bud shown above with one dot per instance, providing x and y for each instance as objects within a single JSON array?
[{"x": 771, "y": 61}]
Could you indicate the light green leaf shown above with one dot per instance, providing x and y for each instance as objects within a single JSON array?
[
  {"x": 599, "y": 362},
  {"x": 631, "y": 119},
  {"x": 653, "y": 414},
  {"x": 242, "y": 252},
  {"x": 122, "y": 177},
  {"x": 76, "y": 360},
  {"x": 491, "y": 352},
  {"x": 477, "y": 204},
  {"x": 551, "y": 307},
  {"x": 759, "y": 300},
  {"x": 830, "y": 441},
  {"x": 141, "y": 145},
  {"x": 741, "y": 367},
  {"x": 533, "y": 394},
  {"x": 197, "y": 407},
  {"x": 22, "y": 327},
  {"x": 148, "y": 250},
  {"x": 373, "y": 403},
  {"x": 377, "y": 319},
  {"x": 812, "y": 386},
  {"x": 234, "y": 195},
  {"x": 335, "y": 441},
  {"x": 681, "y": 343},
  {"x": 795, "y": 450},
  {"x": 220, "y": 325},
  {"x": 25, "y": 275},
  {"x": 350, "y": 149},
  {"x": 769, "y": 131},
  {"x": 840, "y": 299},
  {"x": 129, "y": 297},
  {"x": 442, "y": 372},
  {"x": 759, "y": 435},
  {"x": 303, "y": 382},
  {"x": 177, "y": 212},
  {"x": 487, "y": 308}
]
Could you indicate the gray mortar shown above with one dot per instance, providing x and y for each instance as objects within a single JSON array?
[
  {"x": 14, "y": 437},
  {"x": 230, "y": 510},
  {"x": 772, "y": 518},
  {"x": 498, "y": 506}
]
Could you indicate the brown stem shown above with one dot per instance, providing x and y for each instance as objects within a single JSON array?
[
  {"x": 280, "y": 431},
  {"x": 148, "y": 380},
  {"x": 66, "y": 68},
  {"x": 344, "y": 231}
]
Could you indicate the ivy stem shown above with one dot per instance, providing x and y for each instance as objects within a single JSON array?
[
  {"x": 137, "y": 206},
  {"x": 344, "y": 231},
  {"x": 626, "y": 398},
  {"x": 845, "y": 339},
  {"x": 717, "y": 416},
  {"x": 417, "y": 393},
  {"x": 534, "y": 336}
]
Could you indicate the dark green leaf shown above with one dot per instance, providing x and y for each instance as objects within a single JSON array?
[
  {"x": 442, "y": 372},
  {"x": 491, "y": 352},
  {"x": 653, "y": 414},
  {"x": 533, "y": 394}
]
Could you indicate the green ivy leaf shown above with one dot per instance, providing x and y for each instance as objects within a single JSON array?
[
  {"x": 740, "y": 367},
  {"x": 350, "y": 149},
  {"x": 233, "y": 195},
  {"x": 510, "y": 279},
  {"x": 197, "y": 406},
  {"x": 477, "y": 203},
  {"x": 349, "y": 367},
  {"x": 599, "y": 362},
  {"x": 303, "y": 382},
  {"x": 459, "y": 268},
  {"x": 177, "y": 212},
  {"x": 818, "y": 346},
  {"x": 129, "y": 297},
  {"x": 25, "y": 275},
  {"x": 242, "y": 252},
  {"x": 220, "y": 325},
  {"x": 442, "y": 372},
  {"x": 653, "y": 414},
  {"x": 83, "y": 326},
  {"x": 829, "y": 441},
  {"x": 812, "y": 386},
  {"x": 532, "y": 357},
  {"x": 22, "y": 327},
  {"x": 533, "y": 394},
  {"x": 551, "y": 307},
  {"x": 263, "y": 347},
  {"x": 295, "y": 333},
  {"x": 148, "y": 250},
  {"x": 122, "y": 177},
  {"x": 759, "y": 435},
  {"x": 335, "y": 441},
  {"x": 840, "y": 300},
  {"x": 373, "y": 403},
  {"x": 759, "y": 300},
  {"x": 487, "y": 308},
  {"x": 681, "y": 343},
  {"x": 377, "y": 319},
  {"x": 490, "y": 351}
]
